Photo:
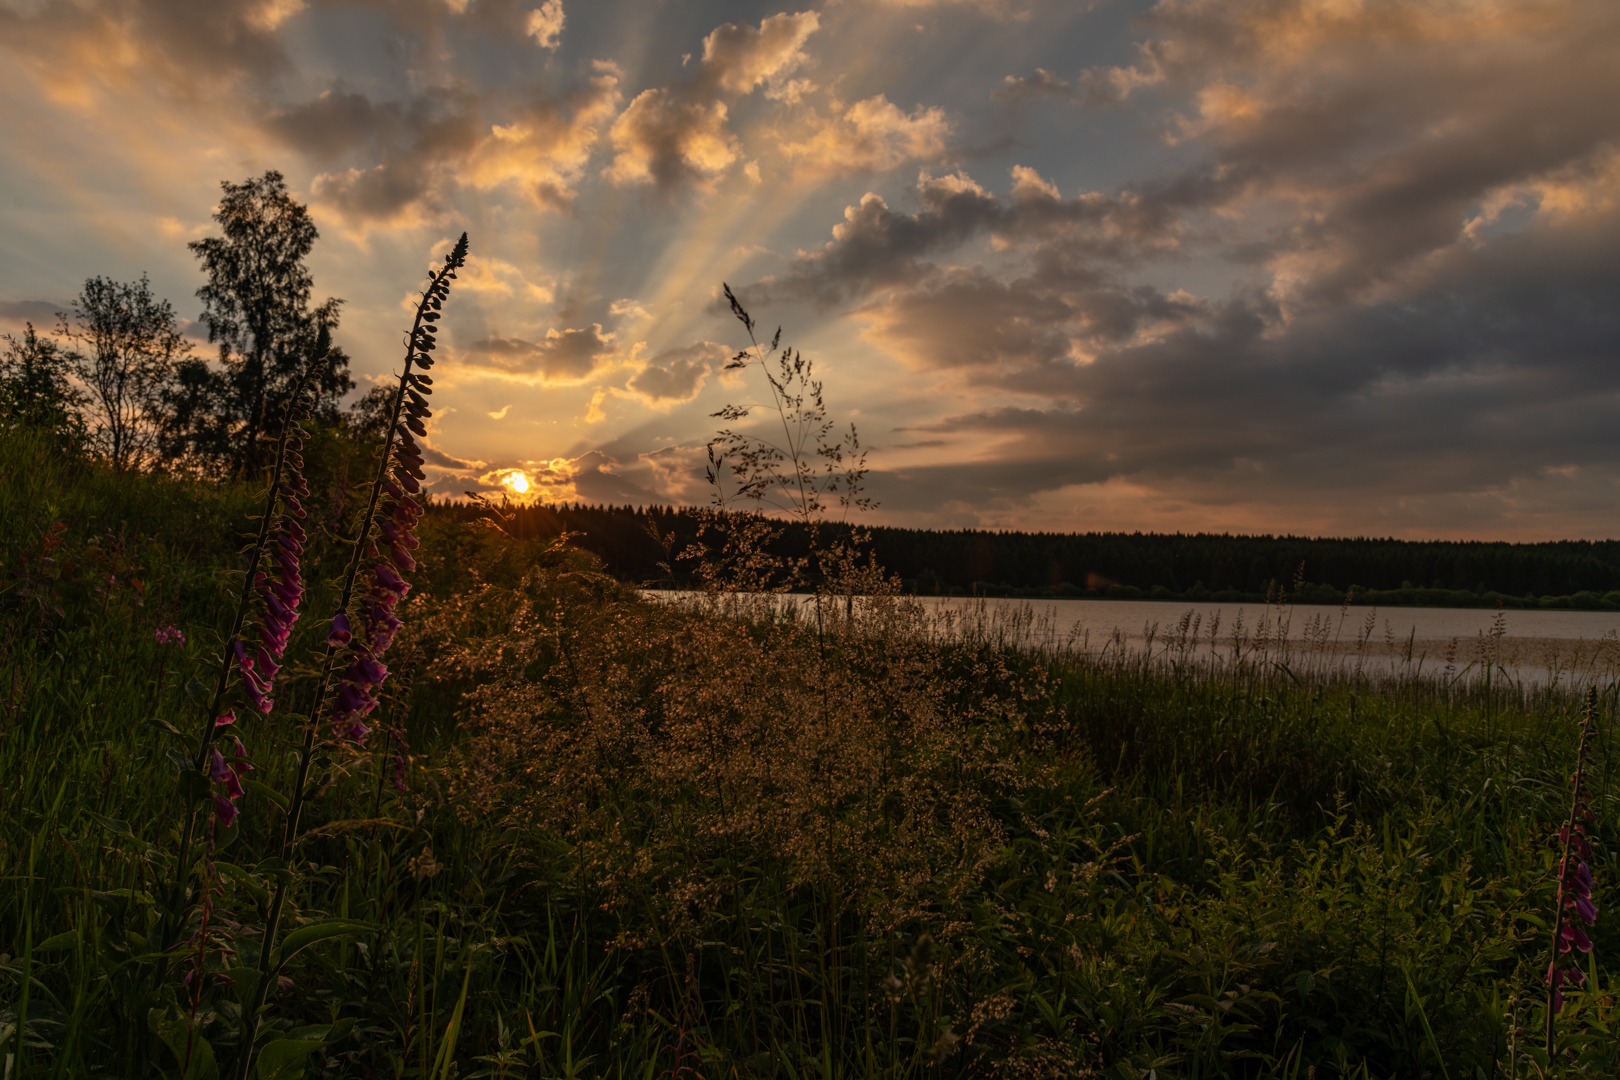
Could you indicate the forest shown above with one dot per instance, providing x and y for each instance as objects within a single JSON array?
[{"x": 1581, "y": 574}]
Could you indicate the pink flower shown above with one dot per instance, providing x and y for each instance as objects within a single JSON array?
[{"x": 340, "y": 634}]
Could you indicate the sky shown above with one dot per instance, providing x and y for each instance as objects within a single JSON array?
[{"x": 1321, "y": 267}]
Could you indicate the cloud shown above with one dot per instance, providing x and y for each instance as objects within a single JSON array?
[
  {"x": 545, "y": 24},
  {"x": 1414, "y": 212},
  {"x": 869, "y": 136},
  {"x": 544, "y": 146},
  {"x": 562, "y": 356},
  {"x": 678, "y": 135},
  {"x": 495, "y": 278},
  {"x": 676, "y": 376},
  {"x": 82, "y": 51},
  {"x": 41, "y": 313},
  {"x": 665, "y": 140},
  {"x": 1023, "y": 90},
  {"x": 876, "y": 248},
  {"x": 415, "y": 153},
  {"x": 444, "y": 460},
  {"x": 737, "y": 59}
]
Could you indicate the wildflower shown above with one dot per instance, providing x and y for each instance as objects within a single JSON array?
[
  {"x": 226, "y": 775},
  {"x": 169, "y": 635},
  {"x": 279, "y": 589},
  {"x": 340, "y": 634},
  {"x": 385, "y": 588},
  {"x": 1574, "y": 904}
]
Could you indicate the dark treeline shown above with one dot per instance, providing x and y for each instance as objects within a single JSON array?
[
  {"x": 1565, "y": 573},
  {"x": 119, "y": 376}
]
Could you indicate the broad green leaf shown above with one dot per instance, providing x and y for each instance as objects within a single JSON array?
[
  {"x": 305, "y": 936},
  {"x": 65, "y": 940},
  {"x": 191, "y": 1051},
  {"x": 193, "y": 784},
  {"x": 268, "y": 792},
  {"x": 244, "y": 879},
  {"x": 284, "y": 1059},
  {"x": 113, "y": 825},
  {"x": 162, "y": 724}
]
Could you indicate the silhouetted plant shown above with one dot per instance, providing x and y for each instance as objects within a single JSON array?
[
  {"x": 257, "y": 307},
  {"x": 127, "y": 344},
  {"x": 36, "y": 388},
  {"x": 267, "y": 606},
  {"x": 795, "y": 476},
  {"x": 1574, "y": 905},
  {"x": 392, "y": 511}
]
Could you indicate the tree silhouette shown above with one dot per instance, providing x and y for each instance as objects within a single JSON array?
[
  {"x": 126, "y": 345},
  {"x": 257, "y": 307},
  {"x": 36, "y": 387}
]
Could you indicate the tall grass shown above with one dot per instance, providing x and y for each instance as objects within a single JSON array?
[{"x": 645, "y": 839}]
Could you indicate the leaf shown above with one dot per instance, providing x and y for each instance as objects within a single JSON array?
[
  {"x": 191, "y": 1051},
  {"x": 65, "y": 940},
  {"x": 268, "y": 792},
  {"x": 244, "y": 879},
  {"x": 284, "y": 1059},
  {"x": 177, "y": 760},
  {"x": 193, "y": 784},
  {"x": 305, "y": 936},
  {"x": 159, "y": 722},
  {"x": 197, "y": 692},
  {"x": 113, "y": 825}
]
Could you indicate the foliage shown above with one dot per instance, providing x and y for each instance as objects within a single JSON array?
[
  {"x": 646, "y": 837},
  {"x": 257, "y": 306},
  {"x": 37, "y": 389},
  {"x": 127, "y": 344}
]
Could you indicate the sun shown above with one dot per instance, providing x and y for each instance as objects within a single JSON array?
[{"x": 517, "y": 482}]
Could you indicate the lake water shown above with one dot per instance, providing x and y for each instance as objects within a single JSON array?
[
  {"x": 1535, "y": 647},
  {"x": 1133, "y": 617}
]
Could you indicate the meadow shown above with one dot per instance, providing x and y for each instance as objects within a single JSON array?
[
  {"x": 303, "y": 773},
  {"x": 592, "y": 836}
]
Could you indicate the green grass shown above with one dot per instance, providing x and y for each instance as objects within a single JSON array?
[{"x": 640, "y": 840}]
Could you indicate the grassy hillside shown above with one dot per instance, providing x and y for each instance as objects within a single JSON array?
[{"x": 647, "y": 840}]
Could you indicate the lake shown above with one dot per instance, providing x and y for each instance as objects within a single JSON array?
[{"x": 1531, "y": 646}]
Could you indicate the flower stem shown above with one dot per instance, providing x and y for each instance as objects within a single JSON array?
[
  {"x": 298, "y": 796},
  {"x": 222, "y": 683},
  {"x": 1563, "y": 864}
]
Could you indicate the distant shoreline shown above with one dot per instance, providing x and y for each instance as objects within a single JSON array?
[{"x": 1320, "y": 596}]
